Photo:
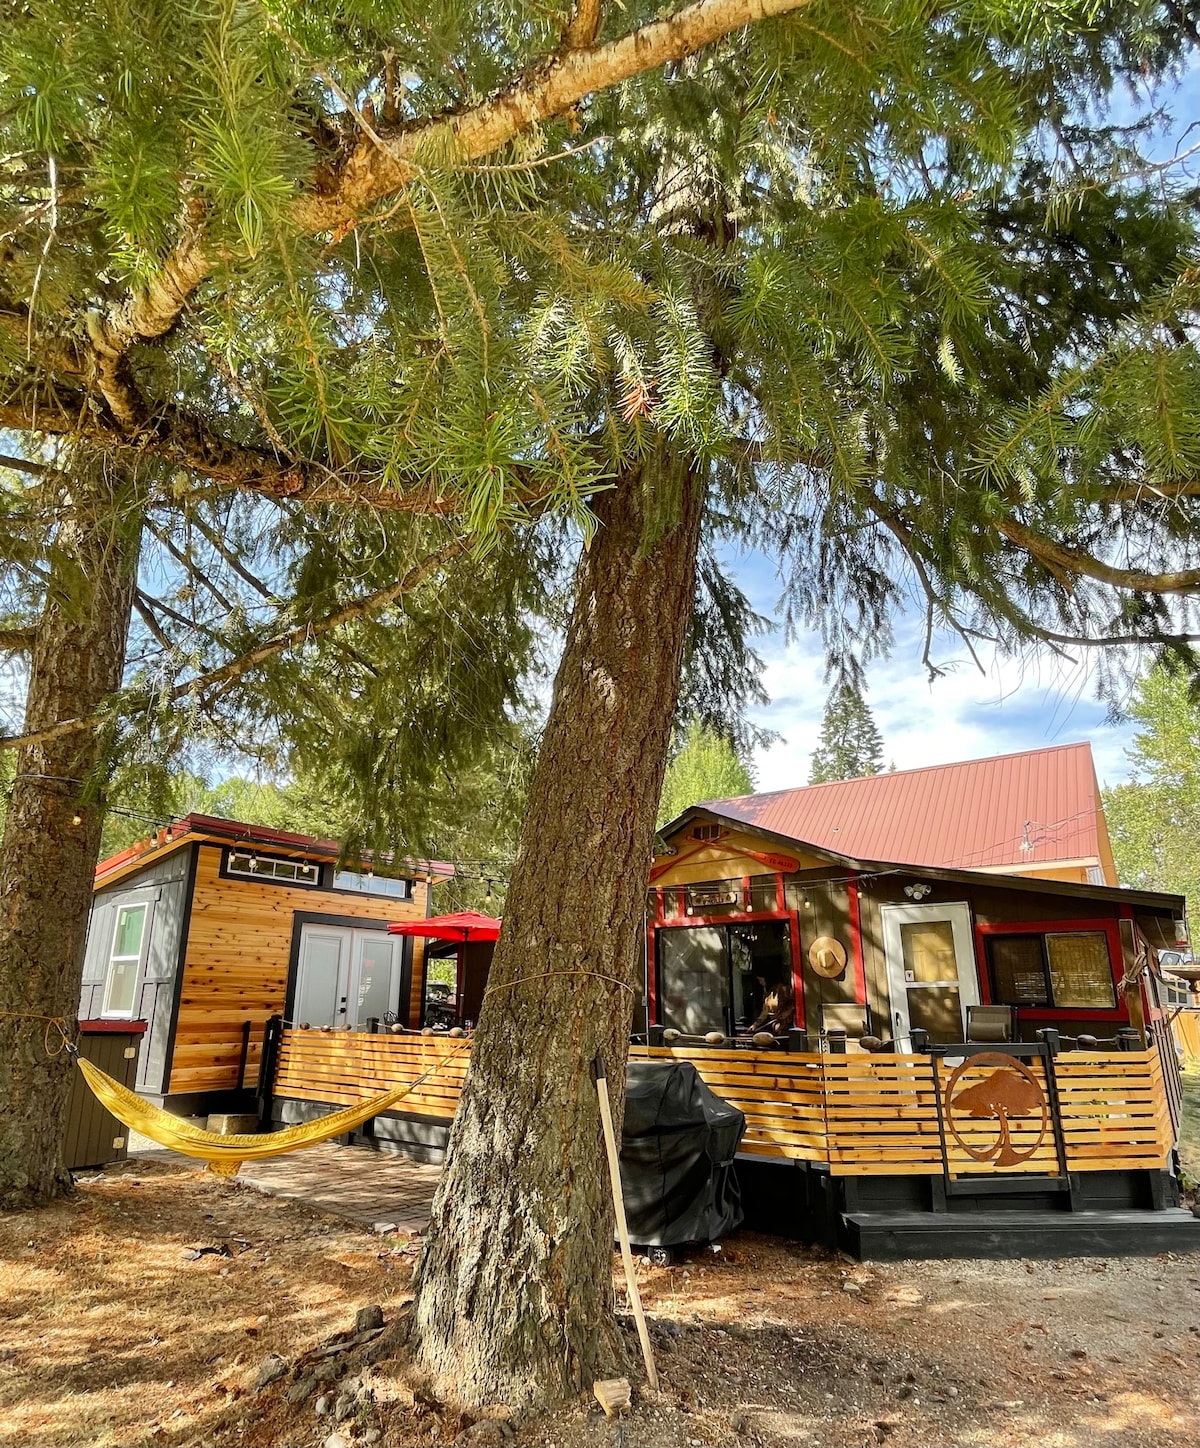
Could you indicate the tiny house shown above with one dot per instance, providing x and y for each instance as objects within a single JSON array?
[
  {"x": 212, "y": 926},
  {"x": 906, "y": 901}
]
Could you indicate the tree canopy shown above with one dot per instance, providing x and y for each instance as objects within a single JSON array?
[
  {"x": 400, "y": 308},
  {"x": 705, "y": 766},
  {"x": 1154, "y": 819}
]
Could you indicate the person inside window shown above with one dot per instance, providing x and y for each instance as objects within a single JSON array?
[{"x": 778, "y": 1014}]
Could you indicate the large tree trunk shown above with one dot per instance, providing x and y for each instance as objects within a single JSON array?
[
  {"x": 51, "y": 835},
  {"x": 514, "y": 1298}
]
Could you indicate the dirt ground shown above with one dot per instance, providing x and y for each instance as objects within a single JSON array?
[{"x": 117, "y": 1331}]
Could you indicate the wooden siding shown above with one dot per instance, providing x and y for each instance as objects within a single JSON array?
[
  {"x": 857, "y": 1114},
  {"x": 92, "y": 1131},
  {"x": 239, "y": 948}
]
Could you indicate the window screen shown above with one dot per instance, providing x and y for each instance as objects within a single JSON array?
[
  {"x": 1080, "y": 969},
  {"x": 1018, "y": 970}
]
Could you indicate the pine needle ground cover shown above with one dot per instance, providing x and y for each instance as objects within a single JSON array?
[{"x": 112, "y": 1337}]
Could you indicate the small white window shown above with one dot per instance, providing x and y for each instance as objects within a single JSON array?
[
  {"x": 372, "y": 884},
  {"x": 124, "y": 959},
  {"x": 271, "y": 867}
]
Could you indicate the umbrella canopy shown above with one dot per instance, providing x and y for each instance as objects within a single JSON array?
[{"x": 464, "y": 925}]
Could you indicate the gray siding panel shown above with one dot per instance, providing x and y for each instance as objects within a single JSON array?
[{"x": 163, "y": 885}]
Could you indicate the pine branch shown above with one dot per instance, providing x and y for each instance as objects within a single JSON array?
[
  {"x": 383, "y": 163},
  {"x": 17, "y": 640},
  {"x": 1071, "y": 562},
  {"x": 185, "y": 440},
  {"x": 227, "y": 674},
  {"x": 584, "y": 26}
]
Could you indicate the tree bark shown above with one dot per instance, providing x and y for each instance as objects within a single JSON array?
[
  {"x": 48, "y": 859},
  {"x": 513, "y": 1293}
]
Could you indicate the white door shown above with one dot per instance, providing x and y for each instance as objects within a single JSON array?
[
  {"x": 931, "y": 969},
  {"x": 322, "y": 976},
  {"x": 346, "y": 976},
  {"x": 376, "y": 962}
]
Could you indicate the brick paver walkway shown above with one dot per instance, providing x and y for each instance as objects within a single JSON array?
[{"x": 372, "y": 1187}]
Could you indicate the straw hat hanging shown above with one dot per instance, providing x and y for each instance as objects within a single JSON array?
[{"x": 827, "y": 956}]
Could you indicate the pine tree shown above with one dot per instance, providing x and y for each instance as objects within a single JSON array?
[
  {"x": 850, "y": 744},
  {"x": 705, "y": 766},
  {"x": 863, "y": 288}
]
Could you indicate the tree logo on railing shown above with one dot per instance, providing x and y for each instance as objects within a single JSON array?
[{"x": 1010, "y": 1089}]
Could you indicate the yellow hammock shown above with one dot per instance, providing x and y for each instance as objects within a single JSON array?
[{"x": 224, "y": 1154}]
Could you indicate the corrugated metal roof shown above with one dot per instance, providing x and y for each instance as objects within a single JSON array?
[{"x": 1015, "y": 811}]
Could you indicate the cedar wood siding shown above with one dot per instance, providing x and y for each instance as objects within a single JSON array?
[{"x": 236, "y": 966}]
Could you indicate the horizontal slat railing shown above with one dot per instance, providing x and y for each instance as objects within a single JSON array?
[{"x": 858, "y": 1114}]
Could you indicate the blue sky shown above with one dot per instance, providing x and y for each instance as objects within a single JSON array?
[{"x": 1026, "y": 702}]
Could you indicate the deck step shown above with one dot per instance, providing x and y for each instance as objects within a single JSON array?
[{"x": 891, "y": 1236}]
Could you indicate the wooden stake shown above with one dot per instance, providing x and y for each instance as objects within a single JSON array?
[{"x": 614, "y": 1176}]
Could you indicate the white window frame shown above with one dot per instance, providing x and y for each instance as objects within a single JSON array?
[{"x": 147, "y": 908}]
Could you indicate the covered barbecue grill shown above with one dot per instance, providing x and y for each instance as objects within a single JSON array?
[{"x": 677, "y": 1150}]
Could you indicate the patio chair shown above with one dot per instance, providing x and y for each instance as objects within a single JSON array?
[{"x": 989, "y": 1023}]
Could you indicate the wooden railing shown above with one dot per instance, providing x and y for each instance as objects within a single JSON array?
[{"x": 857, "y": 1114}]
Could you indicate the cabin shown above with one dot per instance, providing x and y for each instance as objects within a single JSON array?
[
  {"x": 929, "y": 899},
  {"x": 972, "y": 1056},
  {"x": 211, "y": 927}
]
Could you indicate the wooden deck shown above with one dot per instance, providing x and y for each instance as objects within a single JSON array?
[{"x": 855, "y": 1114}]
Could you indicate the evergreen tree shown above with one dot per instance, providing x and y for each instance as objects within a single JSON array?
[
  {"x": 1154, "y": 819},
  {"x": 850, "y": 745},
  {"x": 705, "y": 766},
  {"x": 864, "y": 288}
]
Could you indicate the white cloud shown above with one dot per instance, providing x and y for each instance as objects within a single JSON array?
[{"x": 1029, "y": 702}]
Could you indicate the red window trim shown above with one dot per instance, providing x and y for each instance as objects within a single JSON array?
[
  {"x": 856, "y": 950},
  {"x": 1109, "y": 926},
  {"x": 735, "y": 917}
]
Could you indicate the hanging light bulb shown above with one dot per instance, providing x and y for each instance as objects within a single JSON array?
[
  {"x": 76, "y": 818},
  {"x": 488, "y": 897}
]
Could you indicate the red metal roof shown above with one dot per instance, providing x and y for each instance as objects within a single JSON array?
[{"x": 1014, "y": 811}]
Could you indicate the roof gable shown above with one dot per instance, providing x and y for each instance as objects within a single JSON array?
[{"x": 1014, "y": 812}]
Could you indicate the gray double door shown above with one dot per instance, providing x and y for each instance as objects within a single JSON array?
[{"x": 345, "y": 976}]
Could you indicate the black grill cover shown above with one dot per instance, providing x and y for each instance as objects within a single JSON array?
[{"x": 677, "y": 1150}]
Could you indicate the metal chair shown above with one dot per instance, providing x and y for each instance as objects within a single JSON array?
[{"x": 990, "y": 1023}]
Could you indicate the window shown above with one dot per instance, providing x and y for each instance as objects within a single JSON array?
[
  {"x": 1068, "y": 969},
  {"x": 1019, "y": 971},
  {"x": 124, "y": 959},
  {"x": 372, "y": 884},
  {"x": 271, "y": 867},
  {"x": 1080, "y": 973},
  {"x": 706, "y": 832}
]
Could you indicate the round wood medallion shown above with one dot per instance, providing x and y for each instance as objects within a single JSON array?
[{"x": 827, "y": 956}]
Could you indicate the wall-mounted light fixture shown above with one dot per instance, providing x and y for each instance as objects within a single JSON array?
[{"x": 918, "y": 891}]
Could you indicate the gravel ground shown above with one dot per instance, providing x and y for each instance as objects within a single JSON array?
[{"x": 114, "y": 1333}]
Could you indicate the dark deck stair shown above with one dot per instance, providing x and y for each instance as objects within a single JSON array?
[{"x": 882, "y": 1236}]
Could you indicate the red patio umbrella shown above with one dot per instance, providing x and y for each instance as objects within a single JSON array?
[{"x": 461, "y": 927}]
